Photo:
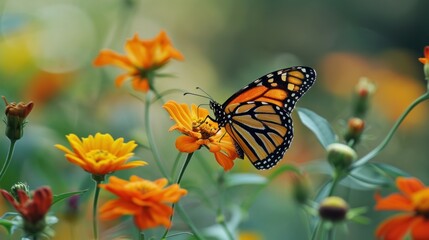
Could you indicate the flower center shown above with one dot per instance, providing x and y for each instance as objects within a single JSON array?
[
  {"x": 141, "y": 186},
  {"x": 421, "y": 202},
  {"x": 206, "y": 129},
  {"x": 99, "y": 155}
]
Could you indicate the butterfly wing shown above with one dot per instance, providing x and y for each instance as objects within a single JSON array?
[
  {"x": 282, "y": 88},
  {"x": 262, "y": 130},
  {"x": 257, "y": 117}
]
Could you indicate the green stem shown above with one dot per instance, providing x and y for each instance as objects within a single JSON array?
[
  {"x": 188, "y": 221},
  {"x": 182, "y": 171},
  {"x": 175, "y": 164},
  {"x": 185, "y": 165},
  {"x": 220, "y": 215},
  {"x": 316, "y": 231},
  {"x": 226, "y": 229},
  {"x": 331, "y": 233},
  {"x": 335, "y": 179},
  {"x": 386, "y": 140},
  {"x": 150, "y": 137},
  {"x": 141, "y": 235},
  {"x": 94, "y": 210},
  {"x": 8, "y": 158}
]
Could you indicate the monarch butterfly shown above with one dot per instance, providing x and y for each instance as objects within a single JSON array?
[{"x": 257, "y": 117}]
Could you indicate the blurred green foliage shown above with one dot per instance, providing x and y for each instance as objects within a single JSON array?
[{"x": 46, "y": 53}]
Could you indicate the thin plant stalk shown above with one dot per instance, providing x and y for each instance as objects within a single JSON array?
[
  {"x": 8, "y": 158},
  {"x": 179, "y": 179},
  {"x": 221, "y": 215},
  {"x": 94, "y": 210},
  {"x": 150, "y": 137},
  {"x": 392, "y": 131},
  {"x": 188, "y": 221}
]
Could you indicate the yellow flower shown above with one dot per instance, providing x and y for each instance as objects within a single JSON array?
[
  {"x": 101, "y": 154},
  {"x": 200, "y": 131},
  {"x": 141, "y": 59},
  {"x": 148, "y": 201}
]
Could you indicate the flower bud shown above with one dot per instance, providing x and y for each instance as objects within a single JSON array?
[
  {"x": 33, "y": 208},
  {"x": 333, "y": 209},
  {"x": 72, "y": 212},
  {"x": 363, "y": 91},
  {"x": 19, "y": 186},
  {"x": 425, "y": 61},
  {"x": 15, "y": 118},
  {"x": 300, "y": 188},
  {"x": 354, "y": 130},
  {"x": 340, "y": 156}
]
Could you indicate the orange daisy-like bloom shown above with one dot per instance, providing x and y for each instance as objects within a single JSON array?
[
  {"x": 425, "y": 59},
  {"x": 413, "y": 200},
  {"x": 148, "y": 201},
  {"x": 100, "y": 154},
  {"x": 199, "y": 131},
  {"x": 141, "y": 59}
]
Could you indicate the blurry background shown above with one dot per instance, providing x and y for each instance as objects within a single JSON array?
[{"x": 46, "y": 54}]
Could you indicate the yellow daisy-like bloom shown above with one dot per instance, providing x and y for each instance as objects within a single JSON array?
[
  {"x": 200, "y": 131},
  {"x": 141, "y": 58},
  {"x": 100, "y": 154},
  {"x": 148, "y": 201}
]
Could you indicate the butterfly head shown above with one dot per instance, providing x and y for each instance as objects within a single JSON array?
[{"x": 218, "y": 111}]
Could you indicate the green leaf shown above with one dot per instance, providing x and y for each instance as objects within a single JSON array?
[
  {"x": 372, "y": 175},
  {"x": 276, "y": 172},
  {"x": 60, "y": 197},
  {"x": 389, "y": 170},
  {"x": 8, "y": 224},
  {"x": 323, "y": 191},
  {"x": 237, "y": 179},
  {"x": 318, "y": 166},
  {"x": 318, "y": 125}
]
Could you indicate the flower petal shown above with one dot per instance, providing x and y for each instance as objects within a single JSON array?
[
  {"x": 409, "y": 185},
  {"x": 419, "y": 230},
  {"x": 187, "y": 144},
  {"x": 395, "y": 227},
  {"x": 395, "y": 201},
  {"x": 109, "y": 57},
  {"x": 140, "y": 84}
]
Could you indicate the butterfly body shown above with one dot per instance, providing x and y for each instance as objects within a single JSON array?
[{"x": 258, "y": 118}]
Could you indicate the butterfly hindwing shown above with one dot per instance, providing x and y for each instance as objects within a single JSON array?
[{"x": 263, "y": 131}]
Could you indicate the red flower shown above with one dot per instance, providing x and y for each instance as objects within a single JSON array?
[{"x": 31, "y": 209}]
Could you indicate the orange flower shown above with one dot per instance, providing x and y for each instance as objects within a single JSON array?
[
  {"x": 425, "y": 59},
  {"x": 414, "y": 202},
  {"x": 141, "y": 59},
  {"x": 147, "y": 201},
  {"x": 199, "y": 131},
  {"x": 101, "y": 154}
]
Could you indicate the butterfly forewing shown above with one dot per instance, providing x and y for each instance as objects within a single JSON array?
[
  {"x": 282, "y": 88},
  {"x": 257, "y": 117}
]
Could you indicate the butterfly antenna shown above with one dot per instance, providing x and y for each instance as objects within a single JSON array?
[
  {"x": 196, "y": 94},
  {"x": 208, "y": 95}
]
